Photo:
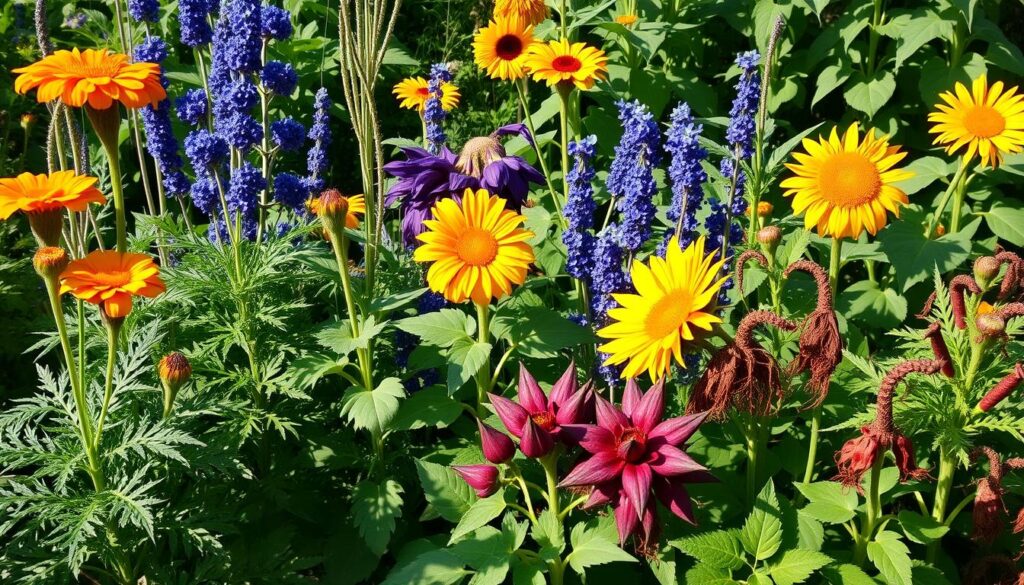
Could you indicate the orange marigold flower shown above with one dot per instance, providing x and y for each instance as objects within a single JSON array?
[
  {"x": 111, "y": 279},
  {"x": 96, "y": 77},
  {"x": 626, "y": 20},
  {"x": 37, "y": 193},
  {"x": 530, "y": 11}
]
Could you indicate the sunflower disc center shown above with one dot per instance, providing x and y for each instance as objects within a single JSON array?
[
  {"x": 566, "y": 64},
  {"x": 984, "y": 122},
  {"x": 509, "y": 47},
  {"x": 544, "y": 420},
  {"x": 848, "y": 179},
  {"x": 477, "y": 247},
  {"x": 668, "y": 314}
]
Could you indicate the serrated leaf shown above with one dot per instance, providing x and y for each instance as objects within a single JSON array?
[
  {"x": 595, "y": 543},
  {"x": 479, "y": 514},
  {"x": 487, "y": 552},
  {"x": 865, "y": 300},
  {"x": 538, "y": 332},
  {"x": 762, "y": 532},
  {"x": 719, "y": 549},
  {"x": 547, "y": 532},
  {"x": 847, "y": 575},
  {"x": 432, "y": 407},
  {"x": 891, "y": 557},
  {"x": 441, "y": 328},
  {"x": 811, "y": 534},
  {"x": 706, "y": 575},
  {"x": 374, "y": 510},
  {"x": 338, "y": 336},
  {"x": 924, "y": 27},
  {"x": 373, "y": 410},
  {"x": 449, "y": 495},
  {"x": 435, "y": 567},
  {"x": 796, "y": 565},
  {"x": 914, "y": 256},
  {"x": 921, "y": 529}
]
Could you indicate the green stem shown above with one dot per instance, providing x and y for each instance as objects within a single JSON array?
[
  {"x": 873, "y": 37},
  {"x": 541, "y": 159},
  {"x": 752, "y": 435},
  {"x": 943, "y": 487},
  {"x": 941, "y": 208},
  {"x": 550, "y": 464},
  {"x": 483, "y": 375},
  {"x": 563, "y": 119},
  {"x": 120, "y": 219},
  {"x": 113, "y": 331},
  {"x": 958, "y": 205},
  {"x": 874, "y": 507}
]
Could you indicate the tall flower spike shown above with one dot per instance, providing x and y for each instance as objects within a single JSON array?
[
  {"x": 579, "y": 209},
  {"x": 741, "y": 265},
  {"x": 956, "y": 297},
  {"x": 1002, "y": 389},
  {"x": 859, "y": 454},
  {"x": 631, "y": 176},
  {"x": 741, "y": 375},
  {"x": 939, "y": 348},
  {"x": 682, "y": 142},
  {"x": 433, "y": 112},
  {"x": 821, "y": 345},
  {"x": 989, "y": 509}
]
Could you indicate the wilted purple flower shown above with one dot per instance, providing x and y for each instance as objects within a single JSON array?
[{"x": 631, "y": 177}]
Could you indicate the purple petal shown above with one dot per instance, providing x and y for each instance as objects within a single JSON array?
[
  {"x": 566, "y": 386},
  {"x": 609, "y": 416},
  {"x": 600, "y": 468},
  {"x": 511, "y": 414},
  {"x": 575, "y": 410},
  {"x": 651, "y": 408},
  {"x": 602, "y": 495},
  {"x": 535, "y": 442},
  {"x": 668, "y": 460},
  {"x": 626, "y": 518},
  {"x": 530, "y": 395},
  {"x": 631, "y": 397},
  {"x": 482, "y": 478},
  {"x": 591, "y": 438},
  {"x": 674, "y": 496},
  {"x": 496, "y": 445},
  {"x": 636, "y": 484},
  {"x": 676, "y": 431},
  {"x": 514, "y": 129}
]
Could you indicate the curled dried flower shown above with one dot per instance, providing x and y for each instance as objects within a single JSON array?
[
  {"x": 991, "y": 570},
  {"x": 742, "y": 374},
  {"x": 1002, "y": 389},
  {"x": 741, "y": 265},
  {"x": 1010, "y": 310},
  {"x": 988, "y": 510},
  {"x": 926, "y": 310},
  {"x": 939, "y": 348},
  {"x": 956, "y": 297},
  {"x": 821, "y": 345},
  {"x": 1014, "y": 271}
]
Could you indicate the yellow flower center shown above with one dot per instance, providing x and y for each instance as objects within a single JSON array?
[
  {"x": 509, "y": 47},
  {"x": 113, "y": 279},
  {"x": 984, "y": 121},
  {"x": 668, "y": 314},
  {"x": 477, "y": 247},
  {"x": 566, "y": 64},
  {"x": 848, "y": 179}
]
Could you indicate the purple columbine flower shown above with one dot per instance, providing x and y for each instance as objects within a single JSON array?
[
  {"x": 631, "y": 177},
  {"x": 579, "y": 209}
]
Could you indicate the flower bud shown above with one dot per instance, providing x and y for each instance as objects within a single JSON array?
[
  {"x": 46, "y": 226},
  {"x": 174, "y": 371},
  {"x": 50, "y": 261},
  {"x": 990, "y": 325},
  {"x": 764, "y": 209},
  {"x": 940, "y": 349},
  {"x": 769, "y": 238},
  {"x": 940, "y": 230},
  {"x": 986, "y": 268},
  {"x": 497, "y": 447},
  {"x": 332, "y": 208},
  {"x": 482, "y": 478},
  {"x": 1001, "y": 390},
  {"x": 535, "y": 442},
  {"x": 28, "y": 120}
]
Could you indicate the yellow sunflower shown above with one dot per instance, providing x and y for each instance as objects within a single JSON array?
[
  {"x": 529, "y": 11},
  {"x": 500, "y": 48},
  {"x": 477, "y": 248},
  {"x": 845, "y": 186},
  {"x": 674, "y": 296},
  {"x": 988, "y": 120},
  {"x": 558, "y": 61},
  {"x": 412, "y": 94}
]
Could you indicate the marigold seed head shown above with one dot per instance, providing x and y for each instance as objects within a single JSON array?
[
  {"x": 986, "y": 268},
  {"x": 50, "y": 261},
  {"x": 769, "y": 238},
  {"x": 175, "y": 369},
  {"x": 990, "y": 325}
]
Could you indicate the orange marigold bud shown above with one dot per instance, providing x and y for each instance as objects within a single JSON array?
[
  {"x": 50, "y": 261},
  {"x": 175, "y": 369}
]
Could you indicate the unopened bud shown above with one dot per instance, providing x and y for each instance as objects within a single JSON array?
[
  {"x": 332, "y": 208},
  {"x": 990, "y": 325},
  {"x": 1001, "y": 390},
  {"x": 769, "y": 238},
  {"x": 764, "y": 209},
  {"x": 940, "y": 230},
  {"x": 28, "y": 120},
  {"x": 174, "y": 371},
  {"x": 986, "y": 268},
  {"x": 50, "y": 261}
]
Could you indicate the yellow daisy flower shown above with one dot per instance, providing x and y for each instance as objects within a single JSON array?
[
  {"x": 529, "y": 11},
  {"x": 844, "y": 186},
  {"x": 412, "y": 94},
  {"x": 477, "y": 248},
  {"x": 500, "y": 48},
  {"x": 988, "y": 120},
  {"x": 675, "y": 296},
  {"x": 557, "y": 62}
]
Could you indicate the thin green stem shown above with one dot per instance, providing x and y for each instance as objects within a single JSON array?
[
  {"x": 113, "y": 332},
  {"x": 541, "y": 159},
  {"x": 116, "y": 188},
  {"x": 874, "y": 508},
  {"x": 483, "y": 375},
  {"x": 941, "y": 208},
  {"x": 958, "y": 205},
  {"x": 563, "y": 119},
  {"x": 943, "y": 487},
  {"x": 752, "y": 435}
]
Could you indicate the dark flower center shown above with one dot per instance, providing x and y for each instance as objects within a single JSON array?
[
  {"x": 632, "y": 444},
  {"x": 566, "y": 64},
  {"x": 509, "y": 47},
  {"x": 544, "y": 420}
]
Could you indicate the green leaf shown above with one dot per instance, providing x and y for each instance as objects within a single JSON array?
[
  {"x": 538, "y": 332},
  {"x": 595, "y": 543},
  {"x": 927, "y": 170},
  {"x": 869, "y": 95},
  {"x": 487, "y": 552},
  {"x": 921, "y": 529},
  {"x": 479, "y": 514},
  {"x": 373, "y": 410},
  {"x": 719, "y": 549},
  {"x": 811, "y": 534},
  {"x": 391, "y": 302},
  {"x": 706, "y": 575},
  {"x": 441, "y": 328},
  {"x": 528, "y": 571},
  {"x": 464, "y": 360},
  {"x": 828, "y": 501},
  {"x": 548, "y": 534},
  {"x": 762, "y": 532},
  {"x": 923, "y": 28},
  {"x": 796, "y": 566},
  {"x": 866, "y": 301},
  {"x": 432, "y": 407},
  {"x": 338, "y": 336},
  {"x": 914, "y": 256},
  {"x": 374, "y": 510},
  {"x": 1007, "y": 223},
  {"x": 449, "y": 495},
  {"x": 435, "y": 567},
  {"x": 891, "y": 557},
  {"x": 305, "y": 371},
  {"x": 847, "y": 575},
  {"x": 831, "y": 78}
]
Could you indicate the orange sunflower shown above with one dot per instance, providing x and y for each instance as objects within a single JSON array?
[
  {"x": 43, "y": 197},
  {"x": 413, "y": 93},
  {"x": 989, "y": 120},
  {"x": 529, "y": 11},
  {"x": 559, "y": 62},
  {"x": 845, "y": 186},
  {"x": 477, "y": 247},
  {"x": 111, "y": 279},
  {"x": 95, "y": 77},
  {"x": 500, "y": 48}
]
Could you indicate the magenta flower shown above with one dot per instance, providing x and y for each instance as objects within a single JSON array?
[
  {"x": 634, "y": 453},
  {"x": 537, "y": 419},
  {"x": 496, "y": 445},
  {"x": 482, "y": 478}
]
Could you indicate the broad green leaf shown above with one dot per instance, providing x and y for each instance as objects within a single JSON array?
[
  {"x": 595, "y": 543},
  {"x": 432, "y": 407},
  {"x": 663, "y": 566},
  {"x": 391, "y": 302},
  {"x": 828, "y": 501},
  {"x": 921, "y": 529},
  {"x": 305, "y": 371},
  {"x": 538, "y": 332},
  {"x": 869, "y": 95},
  {"x": 706, "y": 575},
  {"x": 866, "y": 301},
  {"x": 719, "y": 549},
  {"x": 449, "y": 495},
  {"x": 796, "y": 565},
  {"x": 465, "y": 357},
  {"x": 479, "y": 514},
  {"x": 338, "y": 336},
  {"x": 811, "y": 535},
  {"x": 924, "y": 27},
  {"x": 891, "y": 557},
  {"x": 927, "y": 170},
  {"x": 937, "y": 76},
  {"x": 762, "y": 532},
  {"x": 374, "y": 510},
  {"x": 373, "y": 410},
  {"x": 441, "y": 328},
  {"x": 528, "y": 571},
  {"x": 915, "y": 257},
  {"x": 547, "y": 532},
  {"x": 435, "y": 567},
  {"x": 831, "y": 78},
  {"x": 847, "y": 575},
  {"x": 1007, "y": 223},
  {"x": 487, "y": 552}
]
